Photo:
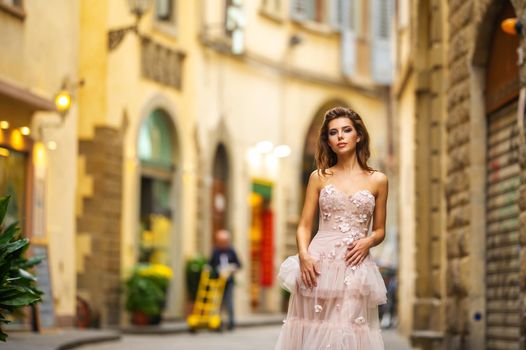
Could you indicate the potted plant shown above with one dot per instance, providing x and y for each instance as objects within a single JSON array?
[
  {"x": 146, "y": 291},
  {"x": 17, "y": 286}
]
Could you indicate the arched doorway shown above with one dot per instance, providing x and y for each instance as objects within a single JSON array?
[
  {"x": 156, "y": 147},
  {"x": 220, "y": 191},
  {"x": 503, "y": 317}
]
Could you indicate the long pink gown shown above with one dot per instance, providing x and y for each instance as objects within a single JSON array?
[{"x": 342, "y": 311}]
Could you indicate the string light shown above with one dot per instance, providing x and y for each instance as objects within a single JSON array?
[
  {"x": 25, "y": 131},
  {"x": 282, "y": 151},
  {"x": 264, "y": 147},
  {"x": 52, "y": 145}
]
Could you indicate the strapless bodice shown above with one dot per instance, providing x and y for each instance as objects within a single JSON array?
[{"x": 347, "y": 214}]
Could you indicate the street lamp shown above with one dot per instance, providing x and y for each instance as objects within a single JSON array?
[
  {"x": 512, "y": 26},
  {"x": 64, "y": 97},
  {"x": 63, "y": 101},
  {"x": 138, "y": 8}
]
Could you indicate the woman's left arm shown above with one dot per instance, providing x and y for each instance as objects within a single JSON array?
[{"x": 359, "y": 249}]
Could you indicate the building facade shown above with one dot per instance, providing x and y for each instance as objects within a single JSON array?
[
  {"x": 458, "y": 98},
  {"x": 191, "y": 116},
  {"x": 184, "y": 105},
  {"x": 38, "y": 145}
]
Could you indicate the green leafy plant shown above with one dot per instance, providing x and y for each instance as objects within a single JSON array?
[
  {"x": 146, "y": 288},
  {"x": 194, "y": 266},
  {"x": 18, "y": 286}
]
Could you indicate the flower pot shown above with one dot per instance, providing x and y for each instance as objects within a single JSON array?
[
  {"x": 156, "y": 319},
  {"x": 139, "y": 318}
]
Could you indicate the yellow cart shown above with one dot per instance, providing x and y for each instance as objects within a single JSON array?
[{"x": 207, "y": 307}]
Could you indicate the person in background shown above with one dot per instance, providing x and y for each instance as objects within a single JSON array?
[{"x": 224, "y": 261}]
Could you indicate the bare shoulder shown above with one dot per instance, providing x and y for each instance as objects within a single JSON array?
[
  {"x": 317, "y": 178},
  {"x": 379, "y": 180}
]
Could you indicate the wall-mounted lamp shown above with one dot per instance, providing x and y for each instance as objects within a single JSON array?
[
  {"x": 63, "y": 101},
  {"x": 138, "y": 8},
  {"x": 64, "y": 97},
  {"x": 512, "y": 26}
]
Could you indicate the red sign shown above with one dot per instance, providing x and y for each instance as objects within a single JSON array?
[{"x": 267, "y": 249}]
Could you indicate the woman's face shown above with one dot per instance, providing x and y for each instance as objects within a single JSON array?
[{"x": 342, "y": 135}]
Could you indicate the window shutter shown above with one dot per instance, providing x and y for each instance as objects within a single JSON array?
[
  {"x": 298, "y": 10},
  {"x": 335, "y": 13},
  {"x": 164, "y": 9},
  {"x": 302, "y": 10},
  {"x": 381, "y": 16},
  {"x": 348, "y": 41},
  {"x": 356, "y": 16}
]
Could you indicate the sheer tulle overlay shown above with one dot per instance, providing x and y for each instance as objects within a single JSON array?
[{"x": 342, "y": 311}]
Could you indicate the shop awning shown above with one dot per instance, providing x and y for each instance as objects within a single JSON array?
[{"x": 18, "y": 104}]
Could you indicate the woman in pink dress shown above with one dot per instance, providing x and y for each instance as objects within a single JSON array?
[{"x": 336, "y": 287}]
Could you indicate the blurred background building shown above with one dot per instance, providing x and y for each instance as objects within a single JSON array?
[
  {"x": 458, "y": 98},
  {"x": 185, "y": 117},
  {"x": 38, "y": 145},
  {"x": 178, "y": 118}
]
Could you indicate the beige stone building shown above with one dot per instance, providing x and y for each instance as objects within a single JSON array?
[
  {"x": 459, "y": 104},
  {"x": 38, "y": 147}
]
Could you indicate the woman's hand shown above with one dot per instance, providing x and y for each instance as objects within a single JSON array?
[
  {"x": 357, "y": 251},
  {"x": 309, "y": 272}
]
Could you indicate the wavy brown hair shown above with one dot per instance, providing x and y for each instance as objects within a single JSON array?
[{"x": 325, "y": 156}]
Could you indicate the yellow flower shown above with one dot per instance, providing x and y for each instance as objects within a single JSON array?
[{"x": 156, "y": 270}]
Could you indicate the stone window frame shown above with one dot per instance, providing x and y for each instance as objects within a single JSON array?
[
  {"x": 324, "y": 23},
  {"x": 169, "y": 25},
  {"x": 14, "y": 8},
  {"x": 273, "y": 10}
]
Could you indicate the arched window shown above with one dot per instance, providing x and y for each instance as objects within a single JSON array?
[
  {"x": 155, "y": 141},
  {"x": 156, "y": 155},
  {"x": 220, "y": 191}
]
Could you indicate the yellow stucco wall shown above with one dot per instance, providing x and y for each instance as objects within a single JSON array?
[
  {"x": 38, "y": 53},
  {"x": 250, "y": 96},
  {"x": 92, "y": 65}
]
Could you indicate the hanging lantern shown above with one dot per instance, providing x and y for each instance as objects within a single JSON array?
[{"x": 511, "y": 26}]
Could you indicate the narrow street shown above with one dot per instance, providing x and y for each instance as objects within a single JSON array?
[{"x": 253, "y": 338}]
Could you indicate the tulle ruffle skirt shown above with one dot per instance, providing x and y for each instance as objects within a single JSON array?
[{"x": 341, "y": 312}]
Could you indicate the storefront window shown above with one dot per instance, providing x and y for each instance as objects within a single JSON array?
[
  {"x": 261, "y": 242},
  {"x": 13, "y": 178},
  {"x": 157, "y": 165}
]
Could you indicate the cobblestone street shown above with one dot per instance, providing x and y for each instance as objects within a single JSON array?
[{"x": 257, "y": 338}]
